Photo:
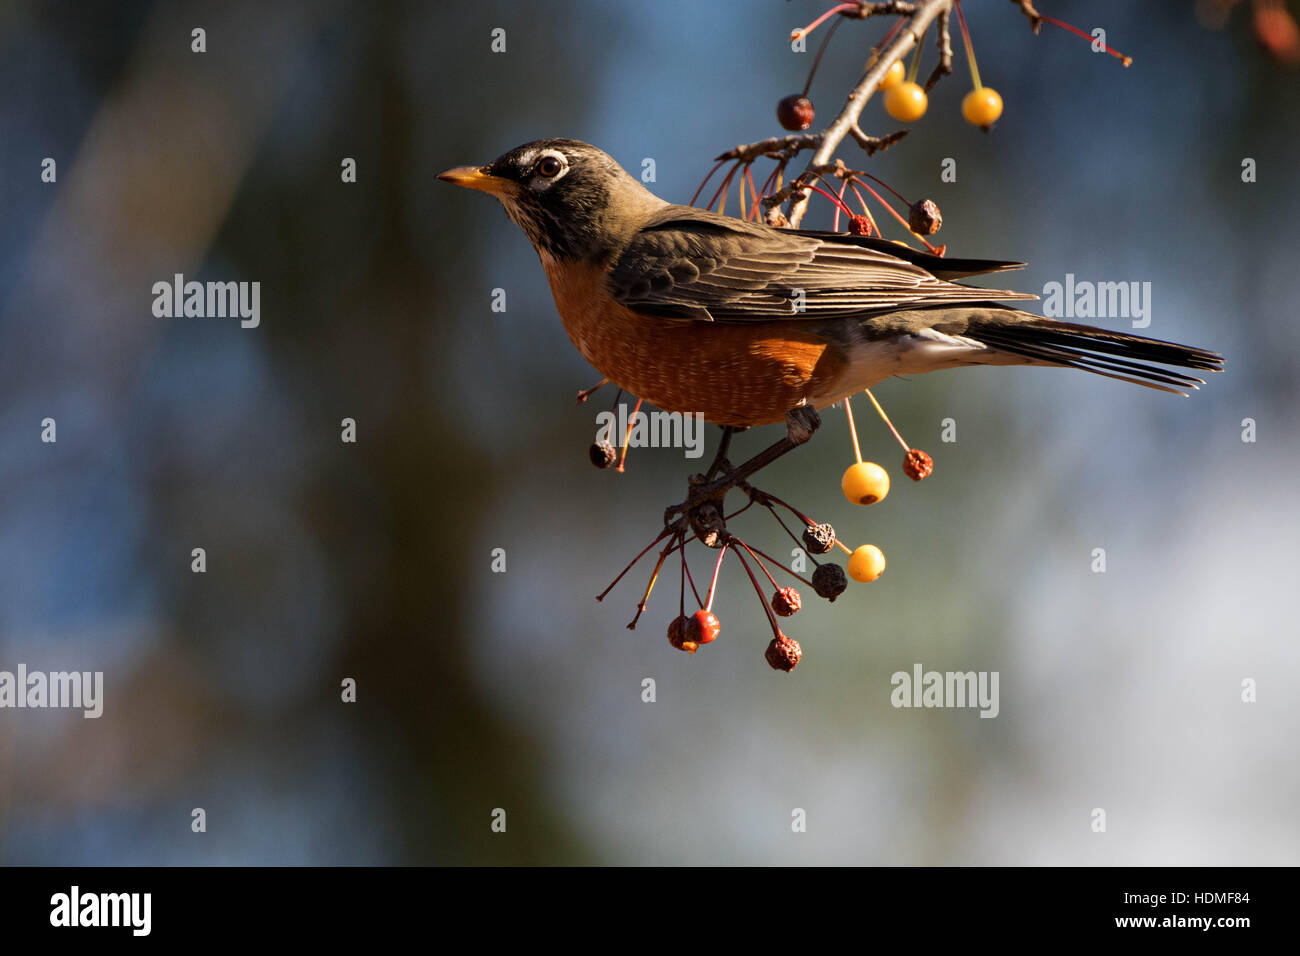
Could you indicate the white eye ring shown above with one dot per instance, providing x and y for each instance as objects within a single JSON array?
[{"x": 549, "y": 167}]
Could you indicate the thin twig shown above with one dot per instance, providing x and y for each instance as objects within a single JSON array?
[
  {"x": 944, "y": 41},
  {"x": 924, "y": 13},
  {"x": 774, "y": 147},
  {"x": 1027, "y": 8}
]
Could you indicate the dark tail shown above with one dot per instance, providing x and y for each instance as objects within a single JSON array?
[{"x": 1113, "y": 354}]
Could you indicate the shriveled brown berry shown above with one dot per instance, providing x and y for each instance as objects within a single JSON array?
[
  {"x": 677, "y": 635},
  {"x": 818, "y": 538},
  {"x": 783, "y": 653},
  {"x": 795, "y": 112},
  {"x": 859, "y": 226},
  {"x": 829, "y": 581},
  {"x": 602, "y": 454},
  {"x": 925, "y": 218},
  {"x": 917, "y": 464},
  {"x": 786, "y": 601}
]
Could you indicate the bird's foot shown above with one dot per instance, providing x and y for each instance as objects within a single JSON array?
[{"x": 703, "y": 505}]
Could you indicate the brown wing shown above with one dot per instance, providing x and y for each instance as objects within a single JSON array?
[
  {"x": 944, "y": 267},
  {"x": 690, "y": 263}
]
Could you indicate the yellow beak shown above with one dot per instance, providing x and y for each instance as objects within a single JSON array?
[{"x": 475, "y": 177}]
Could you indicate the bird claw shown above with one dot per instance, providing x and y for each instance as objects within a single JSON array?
[{"x": 800, "y": 424}]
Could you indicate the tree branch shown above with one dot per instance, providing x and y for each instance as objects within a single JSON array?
[
  {"x": 944, "y": 42},
  {"x": 1027, "y": 8},
  {"x": 775, "y": 147},
  {"x": 846, "y": 123}
]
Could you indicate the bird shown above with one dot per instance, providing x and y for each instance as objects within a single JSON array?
[{"x": 744, "y": 323}]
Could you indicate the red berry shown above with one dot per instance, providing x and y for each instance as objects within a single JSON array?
[
  {"x": 795, "y": 112},
  {"x": 677, "y": 636},
  {"x": 917, "y": 464},
  {"x": 786, "y": 601},
  {"x": 783, "y": 653},
  {"x": 859, "y": 226},
  {"x": 703, "y": 627}
]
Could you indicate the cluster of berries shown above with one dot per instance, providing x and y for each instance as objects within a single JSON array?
[
  {"x": 907, "y": 101},
  {"x": 863, "y": 483}
]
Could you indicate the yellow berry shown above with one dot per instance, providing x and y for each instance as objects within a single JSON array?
[
  {"x": 867, "y": 563},
  {"x": 906, "y": 102},
  {"x": 982, "y": 106},
  {"x": 865, "y": 483},
  {"x": 893, "y": 76}
]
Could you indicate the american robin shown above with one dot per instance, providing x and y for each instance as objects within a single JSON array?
[{"x": 699, "y": 312}]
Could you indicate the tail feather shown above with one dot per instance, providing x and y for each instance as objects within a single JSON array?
[{"x": 1119, "y": 355}]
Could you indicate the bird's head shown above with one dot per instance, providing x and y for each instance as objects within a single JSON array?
[{"x": 570, "y": 198}]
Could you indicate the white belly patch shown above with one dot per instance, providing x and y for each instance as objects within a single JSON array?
[{"x": 913, "y": 353}]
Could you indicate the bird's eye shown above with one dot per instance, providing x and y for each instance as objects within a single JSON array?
[{"x": 549, "y": 167}]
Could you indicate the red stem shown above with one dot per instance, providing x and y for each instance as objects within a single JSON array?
[
  {"x": 681, "y": 587},
  {"x": 792, "y": 574},
  {"x": 749, "y": 178},
  {"x": 791, "y": 508},
  {"x": 771, "y": 617},
  {"x": 713, "y": 585},
  {"x": 838, "y": 8},
  {"x": 830, "y": 196},
  {"x": 1126, "y": 60},
  {"x": 726, "y": 184},
  {"x": 859, "y": 174},
  {"x": 760, "y": 564},
  {"x": 700, "y": 188},
  {"x": 632, "y": 563},
  {"x": 835, "y": 226},
  {"x": 866, "y": 210},
  {"x": 689, "y": 577},
  {"x": 822, "y": 49}
]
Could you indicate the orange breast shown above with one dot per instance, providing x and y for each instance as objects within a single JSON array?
[{"x": 732, "y": 374}]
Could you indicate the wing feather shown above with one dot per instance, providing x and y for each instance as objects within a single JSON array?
[{"x": 691, "y": 263}]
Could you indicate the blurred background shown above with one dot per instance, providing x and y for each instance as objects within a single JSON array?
[{"x": 479, "y": 690}]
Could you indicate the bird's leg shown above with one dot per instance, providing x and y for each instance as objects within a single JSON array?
[
  {"x": 720, "y": 459},
  {"x": 800, "y": 423},
  {"x": 703, "y": 505}
]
